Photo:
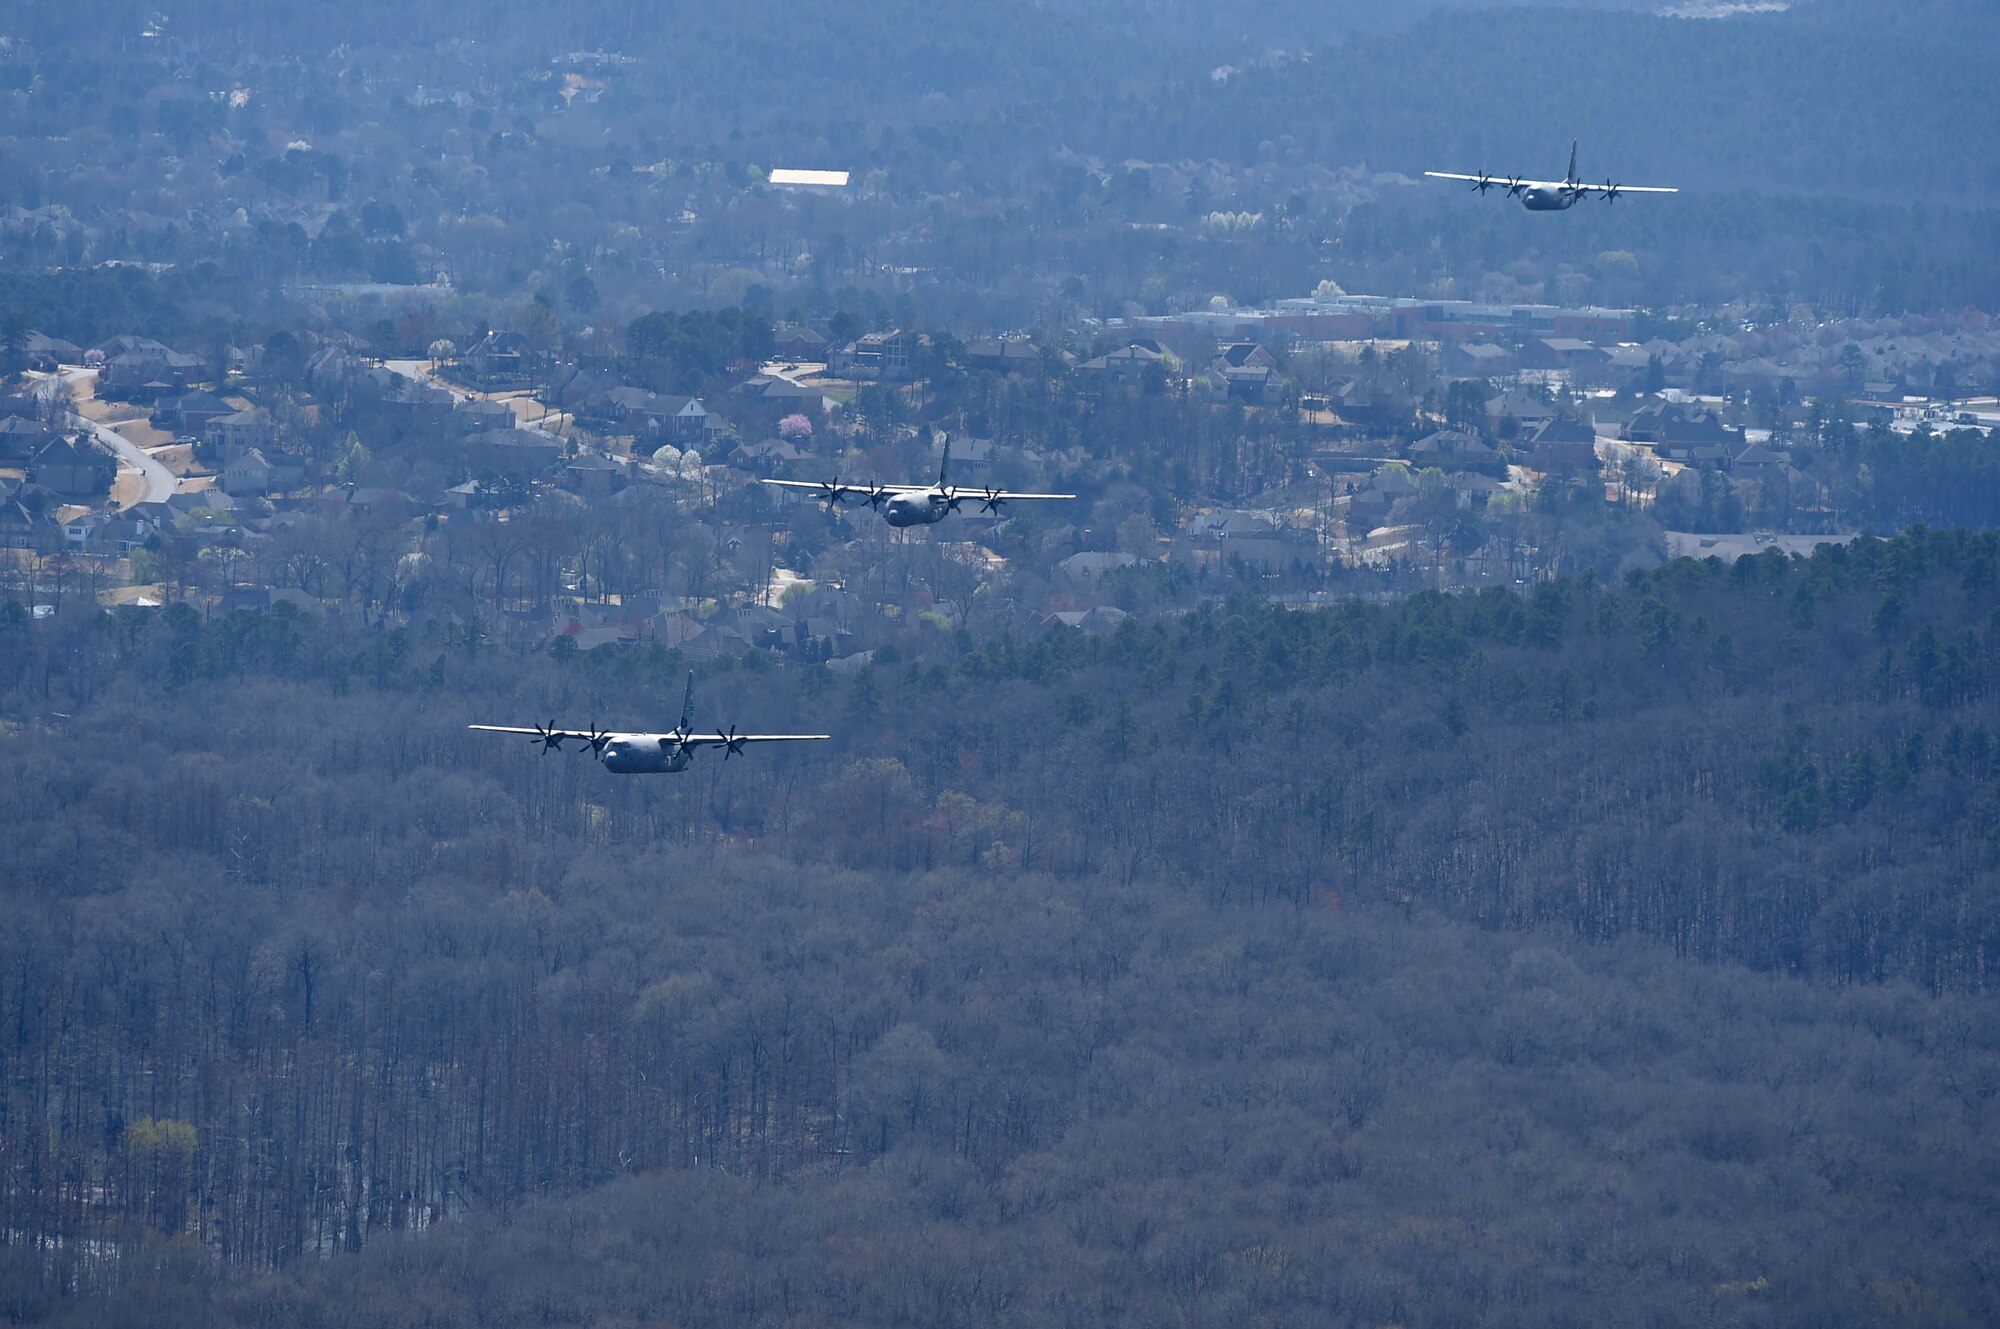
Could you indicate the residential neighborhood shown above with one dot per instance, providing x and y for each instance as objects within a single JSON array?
[{"x": 578, "y": 508}]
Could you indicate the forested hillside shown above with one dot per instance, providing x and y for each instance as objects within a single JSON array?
[{"x": 1335, "y": 965}]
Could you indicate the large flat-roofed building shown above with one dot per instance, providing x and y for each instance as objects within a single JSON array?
[
  {"x": 1358, "y": 317},
  {"x": 788, "y": 178}
]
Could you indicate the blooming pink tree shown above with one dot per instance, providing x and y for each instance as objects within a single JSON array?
[{"x": 795, "y": 428}]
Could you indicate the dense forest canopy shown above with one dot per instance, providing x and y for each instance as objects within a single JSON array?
[{"x": 1154, "y": 958}]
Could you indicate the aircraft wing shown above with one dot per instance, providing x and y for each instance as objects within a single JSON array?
[
  {"x": 692, "y": 740},
  {"x": 1615, "y": 188},
  {"x": 553, "y": 737},
  {"x": 840, "y": 490},
  {"x": 536, "y": 731},
  {"x": 1504, "y": 183},
  {"x": 998, "y": 495}
]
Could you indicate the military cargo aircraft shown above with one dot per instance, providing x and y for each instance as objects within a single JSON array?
[
  {"x": 915, "y": 505},
  {"x": 648, "y": 754},
  {"x": 1551, "y": 195}
]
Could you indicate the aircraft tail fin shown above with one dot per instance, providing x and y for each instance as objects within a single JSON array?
[
  {"x": 1571, "y": 177},
  {"x": 687, "y": 705},
  {"x": 944, "y": 461}
]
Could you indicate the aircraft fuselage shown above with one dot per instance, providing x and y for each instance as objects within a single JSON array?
[
  {"x": 645, "y": 754},
  {"x": 921, "y": 509},
  {"x": 1549, "y": 198}
]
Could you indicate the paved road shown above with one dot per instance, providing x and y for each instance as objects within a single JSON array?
[
  {"x": 421, "y": 371},
  {"x": 161, "y": 483}
]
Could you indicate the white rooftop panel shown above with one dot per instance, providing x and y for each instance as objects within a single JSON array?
[{"x": 784, "y": 176}]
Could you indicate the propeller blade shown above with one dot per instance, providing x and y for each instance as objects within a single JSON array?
[
  {"x": 992, "y": 501},
  {"x": 547, "y": 736},
  {"x": 835, "y": 491},
  {"x": 731, "y": 744},
  {"x": 876, "y": 495}
]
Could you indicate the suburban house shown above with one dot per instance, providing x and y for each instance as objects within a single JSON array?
[
  {"x": 121, "y": 533},
  {"x": 73, "y": 470},
  {"x": 660, "y": 417},
  {"x": 78, "y": 524},
  {"x": 21, "y": 438},
  {"x": 247, "y": 473},
  {"x": 1087, "y": 568},
  {"x": 1680, "y": 433},
  {"x": 584, "y": 392},
  {"x": 190, "y": 412},
  {"x": 798, "y": 344},
  {"x": 1248, "y": 368},
  {"x": 1254, "y": 537},
  {"x": 525, "y": 452},
  {"x": 1129, "y": 361},
  {"x": 760, "y": 401},
  {"x": 1373, "y": 401},
  {"x": 140, "y": 369},
  {"x": 478, "y": 415},
  {"x": 595, "y": 474},
  {"x": 48, "y": 354},
  {"x": 1510, "y": 414},
  {"x": 501, "y": 359},
  {"x": 1475, "y": 359},
  {"x": 878, "y": 355},
  {"x": 1452, "y": 448},
  {"x": 1561, "y": 441},
  {"x": 766, "y": 457},
  {"x": 409, "y": 405},
  {"x": 237, "y": 432},
  {"x": 22, "y": 528},
  {"x": 1567, "y": 353},
  {"x": 1755, "y": 461},
  {"x": 1010, "y": 356}
]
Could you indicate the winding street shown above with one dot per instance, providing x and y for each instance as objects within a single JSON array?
[{"x": 161, "y": 483}]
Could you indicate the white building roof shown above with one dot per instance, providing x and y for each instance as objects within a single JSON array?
[{"x": 828, "y": 179}]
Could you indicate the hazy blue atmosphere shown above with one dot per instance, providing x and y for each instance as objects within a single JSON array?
[{"x": 1273, "y": 739}]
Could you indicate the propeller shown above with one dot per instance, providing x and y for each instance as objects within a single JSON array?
[
  {"x": 835, "y": 491},
  {"x": 1483, "y": 183},
  {"x": 1515, "y": 186},
  {"x": 876, "y": 495},
  {"x": 992, "y": 501},
  {"x": 731, "y": 744},
  {"x": 597, "y": 739},
  {"x": 953, "y": 499},
  {"x": 549, "y": 737},
  {"x": 1610, "y": 191}
]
